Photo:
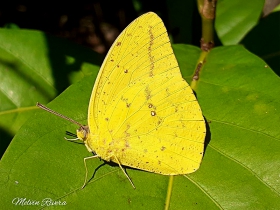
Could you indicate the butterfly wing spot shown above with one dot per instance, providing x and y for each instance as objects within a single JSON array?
[
  {"x": 151, "y": 58},
  {"x": 150, "y": 105},
  {"x": 153, "y": 113},
  {"x": 162, "y": 148},
  {"x": 127, "y": 144},
  {"x": 125, "y": 100},
  {"x": 175, "y": 135},
  {"x": 126, "y": 71},
  {"x": 147, "y": 93},
  {"x": 127, "y": 134},
  {"x": 167, "y": 92}
]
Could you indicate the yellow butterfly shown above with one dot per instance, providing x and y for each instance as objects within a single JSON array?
[{"x": 142, "y": 113}]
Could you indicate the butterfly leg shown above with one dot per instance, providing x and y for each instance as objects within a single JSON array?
[
  {"x": 124, "y": 172},
  {"x": 87, "y": 158}
]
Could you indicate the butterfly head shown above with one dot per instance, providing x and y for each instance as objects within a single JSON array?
[{"x": 83, "y": 133}]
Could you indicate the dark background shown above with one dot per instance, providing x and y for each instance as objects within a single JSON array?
[{"x": 96, "y": 24}]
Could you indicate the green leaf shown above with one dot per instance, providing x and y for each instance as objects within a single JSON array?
[
  {"x": 238, "y": 94},
  {"x": 234, "y": 19},
  {"x": 35, "y": 67},
  {"x": 240, "y": 169}
]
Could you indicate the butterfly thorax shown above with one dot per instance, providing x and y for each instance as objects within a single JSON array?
[
  {"x": 93, "y": 144},
  {"x": 107, "y": 148}
]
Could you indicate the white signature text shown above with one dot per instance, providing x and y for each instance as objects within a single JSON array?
[{"x": 44, "y": 202}]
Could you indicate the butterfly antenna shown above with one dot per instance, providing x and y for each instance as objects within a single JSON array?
[{"x": 58, "y": 114}]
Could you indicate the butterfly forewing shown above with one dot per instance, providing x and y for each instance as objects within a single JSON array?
[{"x": 141, "y": 110}]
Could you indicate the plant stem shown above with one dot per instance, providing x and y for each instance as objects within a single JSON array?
[
  {"x": 169, "y": 191},
  {"x": 207, "y": 9}
]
